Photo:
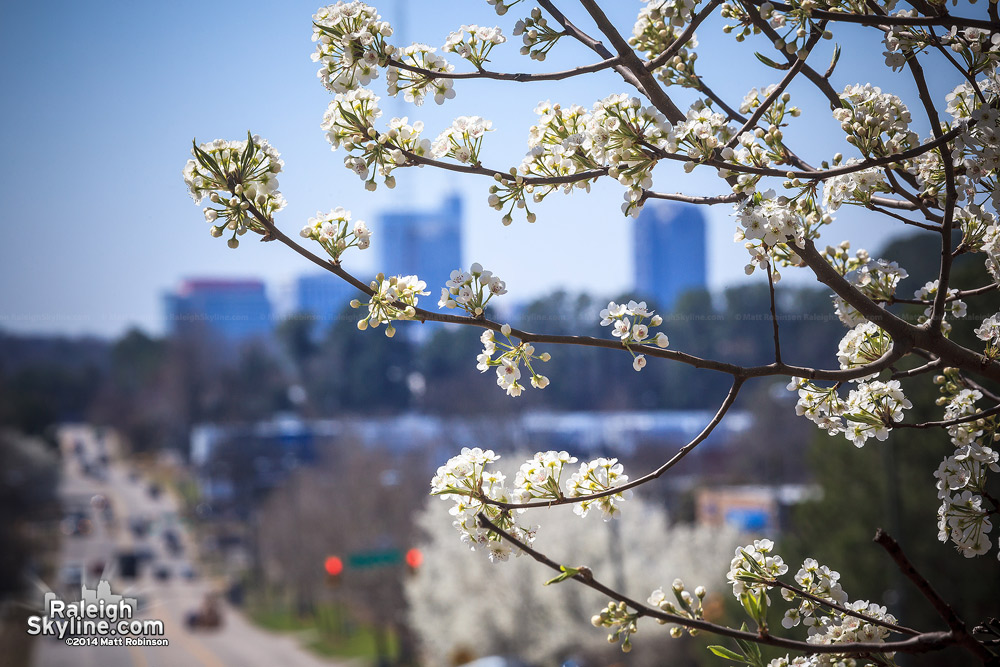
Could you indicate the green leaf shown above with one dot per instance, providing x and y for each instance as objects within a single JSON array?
[
  {"x": 770, "y": 63},
  {"x": 567, "y": 573},
  {"x": 724, "y": 652},
  {"x": 834, "y": 60}
]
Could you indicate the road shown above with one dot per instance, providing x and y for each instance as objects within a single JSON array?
[{"x": 238, "y": 642}]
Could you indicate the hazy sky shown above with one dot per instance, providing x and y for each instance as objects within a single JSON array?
[{"x": 102, "y": 99}]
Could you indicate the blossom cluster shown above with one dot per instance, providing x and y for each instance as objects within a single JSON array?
[
  {"x": 964, "y": 513},
  {"x": 989, "y": 332},
  {"x": 862, "y": 345},
  {"x": 622, "y": 623},
  {"x": 756, "y": 568},
  {"x": 349, "y": 122},
  {"x": 350, "y": 45},
  {"x": 349, "y": 118},
  {"x": 876, "y": 123},
  {"x": 629, "y": 323},
  {"x": 393, "y": 298},
  {"x": 537, "y": 36},
  {"x": 953, "y": 306},
  {"x": 856, "y": 187},
  {"x": 875, "y": 278},
  {"x": 871, "y": 409},
  {"x": 656, "y": 28},
  {"x": 333, "y": 231},
  {"x": 619, "y": 133},
  {"x": 598, "y": 476},
  {"x": 465, "y": 480},
  {"x": 463, "y": 140},
  {"x": 540, "y": 477},
  {"x": 559, "y": 144},
  {"x": 817, "y": 580},
  {"x": 976, "y": 151},
  {"x": 508, "y": 363},
  {"x": 416, "y": 85},
  {"x": 752, "y": 566},
  {"x": 235, "y": 176},
  {"x": 474, "y": 43},
  {"x": 700, "y": 134},
  {"x": 685, "y": 604},
  {"x": 471, "y": 290},
  {"x": 771, "y": 227}
]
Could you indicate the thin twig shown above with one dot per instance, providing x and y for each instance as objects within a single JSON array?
[
  {"x": 674, "y": 460},
  {"x": 952, "y": 422},
  {"x": 944, "y": 610},
  {"x": 902, "y": 629},
  {"x": 520, "y": 77},
  {"x": 922, "y": 643},
  {"x": 774, "y": 315},
  {"x": 877, "y": 20}
]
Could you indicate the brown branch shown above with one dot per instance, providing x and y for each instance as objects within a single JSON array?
[
  {"x": 952, "y": 422},
  {"x": 520, "y": 77},
  {"x": 744, "y": 372},
  {"x": 958, "y": 630},
  {"x": 951, "y": 195},
  {"x": 674, "y": 460},
  {"x": 774, "y": 315},
  {"x": 776, "y": 93},
  {"x": 504, "y": 175},
  {"x": 691, "y": 199},
  {"x": 922, "y": 643},
  {"x": 821, "y": 82},
  {"x": 902, "y": 332},
  {"x": 902, "y": 629},
  {"x": 681, "y": 39},
  {"x": 904, "y": 220},
  {"x": 632, "y": 64},
  {"x": 878, "y": 20},
  {"x": 929, "y": 367}
]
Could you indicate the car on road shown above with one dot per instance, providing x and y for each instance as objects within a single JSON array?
[
  {"x": 162, "y": 572},
  {"x": 206, "y": 617}
]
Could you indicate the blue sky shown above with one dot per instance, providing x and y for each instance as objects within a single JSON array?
[{"x": 102, "y": 101}]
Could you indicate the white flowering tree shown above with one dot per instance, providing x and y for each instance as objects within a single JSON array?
[
  {"x": 452, "y": 595},
  {"x": 944, "y": 184}
]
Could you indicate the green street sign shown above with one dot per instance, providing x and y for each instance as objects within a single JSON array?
[{"x": 369, "y": 559}]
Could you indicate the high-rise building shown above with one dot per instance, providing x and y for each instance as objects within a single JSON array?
[
  {"x": 669, "y": 252},
  {"x": 237, "y": 310},
  {"x": 323, "y": 296},
  {"x": 425, "y": 243}
]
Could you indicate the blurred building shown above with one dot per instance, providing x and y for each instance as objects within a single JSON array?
[
  {"x": 425, "y": 243},
  {"x": 237, "y": 310},
  {"x": 670, "y": 252},
  {"x": 750, "y": 509},
  {"x": 322, "y": 296}
]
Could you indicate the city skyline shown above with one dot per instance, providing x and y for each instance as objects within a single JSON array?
[{"x": 135, "y": 233}]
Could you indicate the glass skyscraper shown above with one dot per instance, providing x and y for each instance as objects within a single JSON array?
[
  {"x": 324, "y": 296},
  {"x": 670, "y": 252},
  {"x": 237, "y": 310},
  {"x": 425, "y": 243}
]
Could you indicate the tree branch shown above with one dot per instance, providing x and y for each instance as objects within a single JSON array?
[
  {"x": 944, "y": 610},
  {"x": 922, "y": 643}
]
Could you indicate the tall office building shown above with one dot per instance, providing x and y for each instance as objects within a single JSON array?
[
  {"x": 237, "y": 310},
  {"x": 323, "y": 296},
  {"x": 425, "y": 243},
  {"x": 669, "y": 252}
]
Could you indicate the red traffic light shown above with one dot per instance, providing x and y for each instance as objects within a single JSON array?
[
  {"x": 333, "y": 566},
  {"x": 414, "y": 558}
]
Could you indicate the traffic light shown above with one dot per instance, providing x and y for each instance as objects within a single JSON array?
[
  {"x": 414, "y": 558},
  {"x": 334, "y": 567}
]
